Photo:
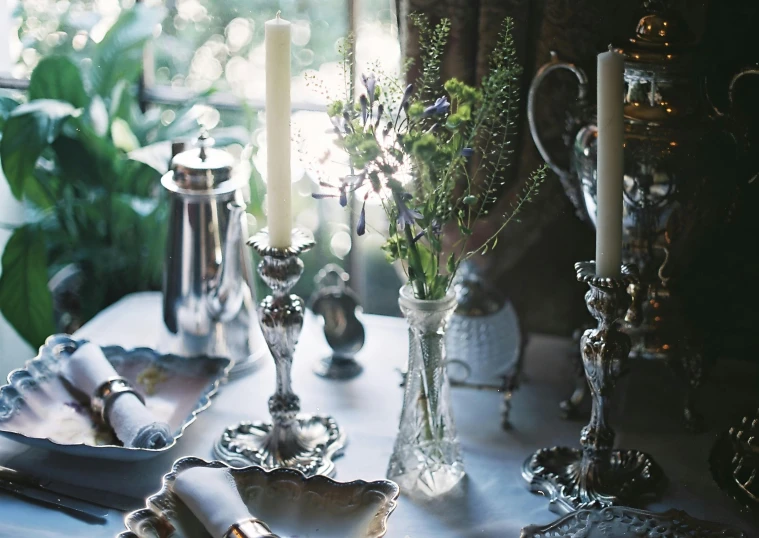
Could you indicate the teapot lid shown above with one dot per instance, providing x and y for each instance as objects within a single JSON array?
[
  {"x": 662, "y": 37},
  {"x": 202, "y": 167}
]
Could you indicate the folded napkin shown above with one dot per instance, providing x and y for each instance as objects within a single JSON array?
[
  {"x": 134, "y": 425},
  {"x": 211, "y": 494}
]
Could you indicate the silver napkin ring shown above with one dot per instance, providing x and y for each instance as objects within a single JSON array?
[
  {"x": 104, "y": 396},
  {"x": 249, "y": 528}
]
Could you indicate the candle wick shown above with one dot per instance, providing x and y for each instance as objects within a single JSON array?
[
  {"x": 279, "y": 16},
  {"x": 611, "y": 47}
]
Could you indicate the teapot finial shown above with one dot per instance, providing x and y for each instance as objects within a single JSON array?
[{"x": 204, "y": 141}]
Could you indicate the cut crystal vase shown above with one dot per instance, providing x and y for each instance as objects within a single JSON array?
[{"x": 426, "y": 459}]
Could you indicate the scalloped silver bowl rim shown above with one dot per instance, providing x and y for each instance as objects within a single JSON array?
[
  {"x": 389, "y": 488},
  {"x": 46, "y": 353},
  {"x": 572, "y": 523}
]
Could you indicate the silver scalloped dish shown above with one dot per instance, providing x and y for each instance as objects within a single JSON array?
[
  {"x": 624, "y": 522},
  {"x": 37, "y": 409},
  {"x": 292, "y": 505}
]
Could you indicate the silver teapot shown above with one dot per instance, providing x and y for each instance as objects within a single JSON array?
[
  {"x": 208, "y": 303},
  {"x": 674, "y": 141}
]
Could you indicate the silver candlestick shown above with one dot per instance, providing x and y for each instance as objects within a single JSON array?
[
  {"x": 307, "y": 443},
  {"x": 596, "y": 475}
]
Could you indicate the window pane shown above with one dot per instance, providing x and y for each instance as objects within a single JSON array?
[
  {"x": 44, "y": 27},
  {"x": 377, "y": 49},
  {"x": 208, "y": 43}
]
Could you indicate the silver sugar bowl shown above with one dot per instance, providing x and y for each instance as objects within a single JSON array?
[
  {"x": 676, "y": 144},
  {"x": 208, "y": 303}
]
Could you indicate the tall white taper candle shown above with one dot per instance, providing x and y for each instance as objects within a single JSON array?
[
  {"x": 278, "y": 182},
  {"x": 610, "y": 163}
]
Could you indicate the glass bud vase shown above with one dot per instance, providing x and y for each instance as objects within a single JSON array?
[{"x": 426, "y": 459}]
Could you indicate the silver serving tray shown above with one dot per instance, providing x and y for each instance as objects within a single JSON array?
[
  {"x": 734, "y": 463},
  {"x": 37, "y": 409},
  {"x": 290, "y": 504},
  {"x": 623, "y": 522}
]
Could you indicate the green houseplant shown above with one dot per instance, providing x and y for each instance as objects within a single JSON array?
[{"x": 65, "y": 152}]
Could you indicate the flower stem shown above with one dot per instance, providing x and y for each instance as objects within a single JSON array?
[{"x": 415, "y": 261}]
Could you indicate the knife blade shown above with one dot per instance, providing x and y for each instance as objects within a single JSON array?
[
  {"x": 106, "y": 499},
  {"x": 55, "y": 499}
]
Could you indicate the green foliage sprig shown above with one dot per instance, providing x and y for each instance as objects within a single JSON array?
[{"x": 413, "y": 152}]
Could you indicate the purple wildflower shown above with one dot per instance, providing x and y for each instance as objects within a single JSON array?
[
  {"x": 380, "y": 110},
  {"x": 370, "y": 83},
  {"x": 364, "y": 104},
  {"x": 435, "y": 228},
  {"x": 407, "y": 94},
  {"x": 406, "y": 215},
  {"x": 348, "y": 126},
  {"x": 440, "y": 107},
  {"x": 342, "y": 195},
  {"x": 361, "y": 224}
]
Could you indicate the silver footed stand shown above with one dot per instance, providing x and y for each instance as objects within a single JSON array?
[
  {"x": 307, "y": 443},
  {"x": 596, "y": 475}
]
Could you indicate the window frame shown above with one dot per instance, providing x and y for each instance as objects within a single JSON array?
[{"x": 150, "y": 94}]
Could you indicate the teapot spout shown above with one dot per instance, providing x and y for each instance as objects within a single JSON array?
[{"x": 226, "y": 299}]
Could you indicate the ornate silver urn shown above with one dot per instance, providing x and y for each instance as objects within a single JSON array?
[{"x": 675, "y": 142}]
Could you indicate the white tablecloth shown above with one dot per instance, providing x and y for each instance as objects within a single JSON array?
[{"x": 496, "y": 503}]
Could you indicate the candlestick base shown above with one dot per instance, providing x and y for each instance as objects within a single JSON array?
[
  {"x": 626, "y": 479},
  {"x": 307, "y": 444},
  {"x": 304, "y": 442},
  {"x": 596, "y": 475}
]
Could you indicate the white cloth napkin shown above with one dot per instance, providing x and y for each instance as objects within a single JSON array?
[
  {"x": 212, "y": 496},
  {"x": 134, "y": 425}
]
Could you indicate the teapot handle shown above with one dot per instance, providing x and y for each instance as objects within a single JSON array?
[
  {"x": 582, "y": 95},
  {"x": 750, "y": 70}
]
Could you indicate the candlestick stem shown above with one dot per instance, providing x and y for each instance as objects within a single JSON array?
[
  {"x": 597, "y": 475},
  {"x": 304, "y": 442}
]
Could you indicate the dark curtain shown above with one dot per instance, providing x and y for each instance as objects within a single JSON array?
[{"x": 533, "y": 263}]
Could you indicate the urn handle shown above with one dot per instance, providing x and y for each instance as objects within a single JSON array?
[
  {"x": 565, "y": 176},
  {"x": 750, "y": 70},
  {"x": 746, "y": 71},
  {"x": 582, "y": 96}
]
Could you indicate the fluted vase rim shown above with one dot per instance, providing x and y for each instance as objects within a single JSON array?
[{"x": 406, "y": 299}]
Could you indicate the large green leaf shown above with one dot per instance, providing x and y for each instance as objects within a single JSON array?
[
  {"x": 121, "y": 100},
  {"x": 99, "y": 157},
  {"x": 7, "y": 105},
  {"x": 30, "y": 128},
  {"x": 119, "y": 55},
  {"x": 157, "y": 156},
  {"x": 76, "y": 164},
  {"x": 25, "y": 300},
  {"x": 56, "y": 77},
  {"x": 41, "y": 191},
  {"x": 136, "y": 178},
  {"x": 97, "y": 116}
]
